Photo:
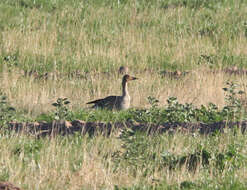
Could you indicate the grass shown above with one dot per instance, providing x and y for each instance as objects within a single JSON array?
[
  {"x": 131, "y": 162},
  {"x": 40, "y": 94},
  {"x": 65, "y": 38},
  {"x": 52, "y": 49}
]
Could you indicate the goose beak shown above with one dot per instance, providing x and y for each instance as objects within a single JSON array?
[{"x": 134, "y": 78}]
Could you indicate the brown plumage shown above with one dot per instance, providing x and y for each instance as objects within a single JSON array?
[
  {"x": 123, "y": 70},
  {"x": 116, "y": 102}
]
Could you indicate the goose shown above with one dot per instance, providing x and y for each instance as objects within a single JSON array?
[{"x": 116, "y": 102}]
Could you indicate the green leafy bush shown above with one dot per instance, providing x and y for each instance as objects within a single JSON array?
[{"x": 62, "y": 110}]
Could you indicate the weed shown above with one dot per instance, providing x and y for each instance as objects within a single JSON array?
[
  {"x": 177, "y": 112},
  {"x": 230, "y": 159},
  {"x": 62, "y": 110},
  {"x": 233, "y": 109},
  {"x": 28, "y": 150},
  {"x": 6, "y": 111},
  {"x": 4, "y": 174},
  {"x": 187, "y": 185},
  {"x": 135, "y": 152}
]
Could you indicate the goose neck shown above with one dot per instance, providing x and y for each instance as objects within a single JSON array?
[{"x": 124, "y": 88}]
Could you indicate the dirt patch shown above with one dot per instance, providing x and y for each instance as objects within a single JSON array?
[
  {"x": 230, "y": 71},
  {"x": 8, "y": 186},
  {"x": 41, "y": 129},
  {"x": 174, "y": 74},
  {"x": 235, "y": 71}
]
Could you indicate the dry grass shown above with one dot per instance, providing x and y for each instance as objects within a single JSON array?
[
  {"x": 104, "y": 40},
  {"x": 36, "y": 96},
  {"x": 101, "y": 43},
  {"x": 94, "y": 41},
  {"x": 84, "y": 163}
]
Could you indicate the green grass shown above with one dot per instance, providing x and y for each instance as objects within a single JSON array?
[
  {"x": 79, "y": 46},
  {"x": 105, "y": 26}
]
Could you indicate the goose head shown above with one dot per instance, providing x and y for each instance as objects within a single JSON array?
[{"x": 127, "y": 78}]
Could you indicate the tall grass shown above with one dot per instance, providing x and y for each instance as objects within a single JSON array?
[
  {"x": 64, "y": 48},
  {"x": 139, "y": 162},
  {"x": 66, "y": 39}
]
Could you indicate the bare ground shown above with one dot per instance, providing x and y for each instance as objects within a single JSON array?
[{"x": 40, "y": 129}]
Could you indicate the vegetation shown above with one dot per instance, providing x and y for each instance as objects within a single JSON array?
[
  {"x": 74, "y": 49},
  {"x": 51, "y": 49},
  {"x": 132, "y": 161}
]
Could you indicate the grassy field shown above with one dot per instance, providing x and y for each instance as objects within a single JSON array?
[
  {"x": 73, "y": 48},
  {"x": 131, "y": 162},
  {"x": 81, "y": 45}
]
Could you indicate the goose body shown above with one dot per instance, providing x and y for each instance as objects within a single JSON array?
[{"x": 116, "y": 102}]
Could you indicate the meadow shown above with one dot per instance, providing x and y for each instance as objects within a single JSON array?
[{"x": 51, "y": 49}]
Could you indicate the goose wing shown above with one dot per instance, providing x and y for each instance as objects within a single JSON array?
[{"x": 109, "y": 102}]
